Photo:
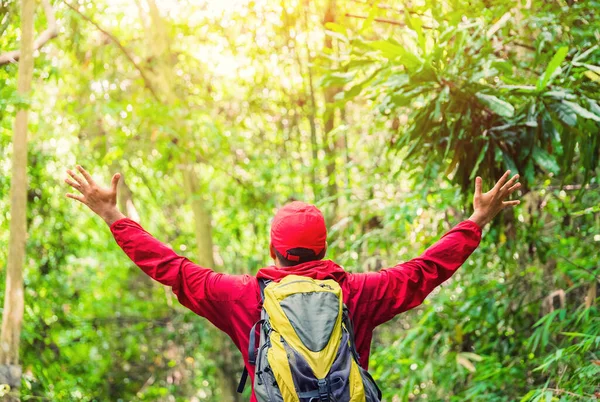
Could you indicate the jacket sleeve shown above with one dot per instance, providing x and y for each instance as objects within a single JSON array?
[
  {"x": 394, "y": 290},
  {"x": 205, "y": 292}
]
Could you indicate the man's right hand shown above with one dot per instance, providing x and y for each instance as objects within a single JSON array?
[{"x": 101, "y": 200}]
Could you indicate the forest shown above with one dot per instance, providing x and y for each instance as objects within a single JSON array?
[{"x": 382, "y": 113}]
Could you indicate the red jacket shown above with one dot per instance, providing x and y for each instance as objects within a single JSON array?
[{"x": 232, "y": 302}]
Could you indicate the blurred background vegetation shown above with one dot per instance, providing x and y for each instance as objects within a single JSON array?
[{"x": 381, "y": 113}]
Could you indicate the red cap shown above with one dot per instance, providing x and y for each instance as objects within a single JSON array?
[{"x": 296, "y": 225}]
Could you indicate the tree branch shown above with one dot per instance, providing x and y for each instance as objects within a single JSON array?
[
  {"x": 128, "y": 55},
  {"x": 498, "y": 25},
  {"x": 523, "y": 45},
  {"x": 385, "y": 7},
  {"x": 5, "y": 19},
  {"x": 48, "y": 34},
  {"x": 385, "y": 21},
  {"x": 562, "y": 391},
  {"x": 588, "y": 270}
]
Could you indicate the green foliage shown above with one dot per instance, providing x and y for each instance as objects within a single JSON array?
[
  {"x": 495, "y": 332},
  {"x": 469, "y": 90}
]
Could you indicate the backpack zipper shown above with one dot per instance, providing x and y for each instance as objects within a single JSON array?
[
  {"x": 296, "y": 281},
  {"x": 321, "y": 285},
  {"x": 258, "y": 363}
]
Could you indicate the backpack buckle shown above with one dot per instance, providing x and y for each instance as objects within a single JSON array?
[
  {"x": 267, "y": 328},
  {"x": 323, "y": 390}
]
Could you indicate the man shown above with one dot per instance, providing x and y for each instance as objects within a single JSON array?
[{"x": 298, "y": 245}]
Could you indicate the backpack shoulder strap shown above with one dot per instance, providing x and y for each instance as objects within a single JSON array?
[
  {"x": 350, "y": 328},
  {"x": 262, "y": 283},
  {"x": 242, "y": 383}
]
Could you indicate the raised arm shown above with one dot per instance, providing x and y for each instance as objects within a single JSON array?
[
  {"x": 200, "y": 289},
  {"x": 405, "y": 286}
]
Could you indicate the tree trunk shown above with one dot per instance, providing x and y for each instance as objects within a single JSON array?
[
  {"x": 125, "y": 199},
  {"x": 12, "y": 318},
  {"x": 590, "y": 298},
  {"x": 313, "y": 130},
  {"x": 50, "y": 33},
  {"x": 162, "y": 72},
  {"x": 202, "y": 218},
  {"x": 329, "y": 122},
  {"x": 227, "y": 370},
  {"x": 312, "y": 115}
]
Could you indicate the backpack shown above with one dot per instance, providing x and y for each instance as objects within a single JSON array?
[{"x": 306, "y": 351}]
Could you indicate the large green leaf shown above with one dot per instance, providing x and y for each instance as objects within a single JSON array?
[
  {"x": 393, "y": 51},
  {"x": 560, "y": 94},
  {"x": 479, "y": 159},
  {"x": 585, "y": 54},
  {"x": 369, "y": 20},
  {"x": 594, "y": 106},
  {"x": 356, "y": 88},
  {"x": 332, "y": 26},
  {"x": 586, "y": 114},
  {"x": 593, "y": 68},
  {"x": 554, "y": 64},
  {"x": 521, "y": 89},
  {"x": 336, "y": 78},
  {"x": 509, "y": 163},
  {"x": 545, "y": 160},
  {"x": 565, "y": 114},
  {"x": 497, "y": 105},
  {"x": 592, "y": 76},
  {"x": 387, "y": 48},
  {"x": 441, "y": 100}
]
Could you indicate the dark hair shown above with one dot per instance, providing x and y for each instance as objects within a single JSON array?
[{"x": 304, "y": 254}]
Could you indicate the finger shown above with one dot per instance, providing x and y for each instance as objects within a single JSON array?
[
  {"x": 85, "y": 174},
  {"x": 511, "y": 203},
  {"x": 478, "y": 185},
  {"x": 513, "y": 189},
  {"x": 77, "y": 197},
  {"x": 510, "y": 183},
  {"x": 73, "y": 184},
  {"x": 78, "y": 179},
  {"x": 115, "y": 182},
  {"x": 501, "y": 181}
]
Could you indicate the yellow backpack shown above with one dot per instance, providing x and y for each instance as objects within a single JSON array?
[{"x": 306, "y": 351}]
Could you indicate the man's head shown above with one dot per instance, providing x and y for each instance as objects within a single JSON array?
[{"x": 298, "y": 234}]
